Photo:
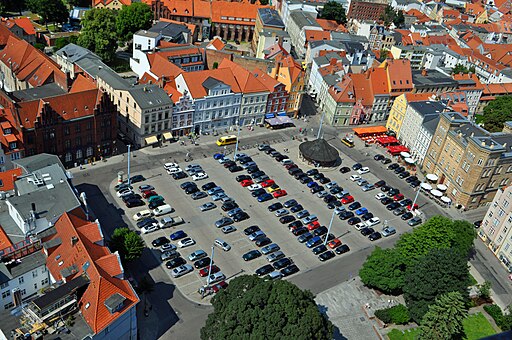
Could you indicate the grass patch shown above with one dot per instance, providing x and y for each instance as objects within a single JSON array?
[
  {"x": 476, "y": 326},
  {"x": 410, "y": 334},
  {"x": 479, "y": 119},
  {"x": 472, "y": 280}
]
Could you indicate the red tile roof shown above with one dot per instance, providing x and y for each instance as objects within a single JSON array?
[
  {"x": 312, "y": 35},
  {"x": 270, "y": 83},
  {"x": 362, "y": 89},
  {"x": 294, "y": 67},
  {"x": 343, "y": 92},
  {"x": 247, "y": 82},
  {"x": 399, "y": 75},
  {"x": 147, "y": 78},
  {"x": 161, "y": 66},
  {"x": 8, "y": 121},
  {"x": 7, "y": 179},
  {"x": 5, "y": 34},
  {"x": 5, "y": 242},
  {"x": 328, "y": 25},
  {"x": 217, "y": 44},
  {"x": 227, "y": 12},
  {"x": 82, "y": 83},
  {"x": 107, "y": 2},
  {"x": 80, "y": 246},
  {"x": 22, "y": 22},
  {"x": 196, "y": 79}
]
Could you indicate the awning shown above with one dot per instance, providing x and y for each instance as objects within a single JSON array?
[
  {"x": 446, "y": 199},
  {"x": 285, "y": 119},
  {"x": 282, "y": 113},
  {"x": 387, "y": 140},
  {"x": 370, "y": 130},
  {"x": 405, "y": 154},
  {"x": 269, "y": 115},
  {"x": 426, "y": 186},
  {"x": 396, "y": 149},
  {"x": 432, "y": 177},
  {"x": 273, "y": 121},
  {"x": 441, "y": 187},
  {"x": 151, "y": 140},
  {"x": 436, "y": 193},
  {"x": 409, "y": 160},
  {"x": 167, "y": 135}
]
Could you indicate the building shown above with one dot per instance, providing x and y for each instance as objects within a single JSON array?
[
  {"x": 470, "y": 161},
  {"x": 324, "y": 59},
  {"x": 340, "y": 103},
  {"x": 290, "y": 73},
  {"x": 182, "y": 110},
  {"x": 111, "y": 4},
  {"x": 472, "y": 88},
  {"x": 267, "y": 19},
  {"x": 366, "y": 9},
  {"x": 271, "y": 42},
  {"x": 399, "y": 108},
  {"x": 299, "y": 23},
  {"x": 278, "y": 95},
  {"x": 496, "y": 228},
  {"x": 23, "y": 28},
  {"x": 432, "y": 81},
  {"x": 288, "y": 6}
]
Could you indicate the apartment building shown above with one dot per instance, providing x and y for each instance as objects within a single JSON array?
[
  {"x": 278, "y": 96},
  {"x": 290, "y": 73},
  {"x": 299, "y": 23},
  {"x": 399, "y": 108},
  {"x": 471, "y": 86},
  {"x": 340, "y": 103},
  {"x": 267, "y": 19},
  {"x": 366, "y": 9},
  {"x": 469, "y": 160},
  {"x": 432, "y": 81}
]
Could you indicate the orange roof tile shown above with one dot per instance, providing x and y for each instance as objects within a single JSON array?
[
  {"x": 417, "y": 97},
  {"x": 202, "y": 9},
  {"x": 7, "y": 179},
  {"x": 161, "y": 66},
  {"x": 147, "y": 78},
  {"x": 172, "y": 91},
  {"x": 196, "y": 79},
  {"x": 362, "y": 88},
  {"x": 107, "y": 2},
  {"x": 312, "y": 35},
  {"x": 379, "y": 81},
  {"x": 328, "y": 25},
  {"x": 343, "y": 92},
  {"x": 82, "y": 83},
  {"x": 266, "y": 79},
  {"x": 474, "y": 8},
  {"x": 5, "y": 242},
  {"x": 217, "y": 44},
  {"x": 227, "y": 12},
  {"x": 294, "y": 67},
  {"x": 247, "y": 82},
  {"x": 399, "y": 74},
  {"x": 5, "y": 34},
  {"x": 26, "y": 24}
]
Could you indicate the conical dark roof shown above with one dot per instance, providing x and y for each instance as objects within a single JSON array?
[{"x": 319, "y": 151}]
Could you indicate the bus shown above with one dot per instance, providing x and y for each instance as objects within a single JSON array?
[
  {"x": 226, "y": 140},
  {"x": 348, "y": 142}
]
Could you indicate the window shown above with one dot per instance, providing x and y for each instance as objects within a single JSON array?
[
  {"x": 89, "y": 152},
  {"x": 77, "y": 128},
  {"x": 79, "y": 154},
  {"x": 21, "y": 280},
  {"x": 23, "y": 292},
  {"x": 44, "y": 282},
  {"x": 9, "y": 305},
  {"x": 35, "y": 285},
  {"x": 67, "y": 144},
  {"x": 34, "y": 273},
  {"x": 6, "y": 294},
  {"x": 4, "y": 285},
  {"x": 68, "y": 157}
]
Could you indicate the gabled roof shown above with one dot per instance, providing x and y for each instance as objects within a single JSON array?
[
  {"x": 328, "y": 25},
  {"x": 107, "y": 2},
  {"x": 82, "y": 83},
  {"x": 195, "y": 80},
  {"x": 227, "y": 12},
  {"x": 294, "y": 67},
  {"x": 5, "y": 34},
  {"x": 270, "y": 83},
  {"x": 362, "y": 89},
  {"x": 160, "y": 66},
  {"x": 312, "y": 35},
  {"x": 22, "y": 22},
  {"x": 399, "y": 74},
  {"x": 81, "y": 252},
  {"x": 216, "y": 44},
  {"x": 343, "y": 92},
  {"x": 246, "y": 80},
  {"x": 7, "y": 179}
]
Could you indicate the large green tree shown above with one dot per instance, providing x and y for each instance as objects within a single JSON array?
[
  {"x": 129, "y": 244},
  {"x": 391, "y": 15},
  {"x": 440, "y": 271},
  {"x": 497, "y": 112},
  {"x": 444, "y": 318},
  {"x": 334, "y": 11},
  {"x": 257, "y": 309},
  {"x": 17, "y": 6},
  {"x": 384, "y": 269},
  {"x": 99, "y": 33},
  {"x": 459, "y": 68},
  {"x": 49, "y": 10},
  {"x": 132, "y": 18}
]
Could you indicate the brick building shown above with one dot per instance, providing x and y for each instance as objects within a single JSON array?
[{"x": 366, "y": 9}]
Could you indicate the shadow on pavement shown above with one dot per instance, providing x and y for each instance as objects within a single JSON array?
[{"x": 337, "y": 333}]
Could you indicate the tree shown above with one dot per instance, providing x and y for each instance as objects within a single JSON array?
[
  {"x": 99, "y": 33},
  {"x": 61, "y": 42},
  {"x": 334, "y": 11},
  {"x": 132, "y": 18},
  {"x": 439, "y": 272},
  {"x": 459, "y": 68},
  {"x": 497, "y": 112},
  {"x": 14, "y": 5},
  {"x": 384, "y": 270},
  {"x": 383, "y": 55},
  {"x": 388, "y": 16},
  {"x": 484, "y": 290},
  {"x": 464, "y": 236},
  {"x": 444, "y": 318},
  {"x": 263, "y": 2},
  {"x": 49, "y": 10},
  {"x": 128, "y": 243},
  {"x": 399, "y": 19},
  {"x": 79, "y": 3},
  {"x": 254, "y": 308}
]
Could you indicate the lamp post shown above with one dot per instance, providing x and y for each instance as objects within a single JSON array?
[
  {"x": 237, "y": 139},
  {"x": 330, "y": 225},
  {"x": 416, "y": 197},
  {"x": 321, "y": 123},
  {"x": 210, "y": 267},
  {"x": 129, "y": 179}
]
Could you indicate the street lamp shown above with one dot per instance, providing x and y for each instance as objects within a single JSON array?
[
  {"x": 320, "y": 127},
  {"x": 416, "y": 197},
  {"x": 210, "y": 267},
  {"x": 129, "y": 180},
  {"x": 330, "y": 225},
  {"x": 237, "y": 139}
]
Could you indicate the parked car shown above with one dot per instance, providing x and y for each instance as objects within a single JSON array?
[
  {"x": 208, "y": 206},
  {"x": 388, "y": 231},
  {"x": 325, "y": 256},
  {"x": 252, "y": 229},
  {"x": 344, "y": 169},
  {"x": 266, "y": 269},
  {"x": 178, "y": 235},
  {"x": 270, "y": 249},
  {"x": 375, "y": 236},
  {"x": 251, "y": 255},
  {"x": 181, "y": 270},
  {"x": 342, "y": 249},
  {"x": 414, "y": 221},
  {"x": 186, "y": 242}
]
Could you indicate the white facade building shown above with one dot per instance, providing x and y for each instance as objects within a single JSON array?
[{"x": 297, "y": 25}]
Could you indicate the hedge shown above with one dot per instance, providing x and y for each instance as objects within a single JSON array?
[
  {"x": 503, "y": 321},
  {"x": 398, "y": 315}
]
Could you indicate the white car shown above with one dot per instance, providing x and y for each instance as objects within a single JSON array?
[
  {"x": 181, "y": 270},
  {"x": 281, "y": 212},
  {"x": 149, "y": 228},
  {"x": 124, "y": 192},
  {"x": 199, "y": 176},
  {"x": 373, "y": 221},
  {"x": 171, "y": 171},
  {"x": 360, "y": 225},
  {"x": 186, "y": 242},
  {"x": 380, "y": 196},
  {"x": 354, "y": 178},
  {"x": 142, "y": 214},
  {"x": 170, "y": 165},
  {"x": 363, "y": 170},
  {"x": 224, "y": 160},
  {"x": 254, "y": 187}
]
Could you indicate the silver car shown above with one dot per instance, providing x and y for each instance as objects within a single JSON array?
[
  {"x": 208, "y": 206},
  {"x": 219, "y": 196},
  {"x": 281, "y": 212},
  {"x": 181, "y": 270},
  {"x": 169, "y": 254},
  {"x": 256, "y": 234},
  {"x": 270, "y": 249},
  {"x": 275, "y": 256}
]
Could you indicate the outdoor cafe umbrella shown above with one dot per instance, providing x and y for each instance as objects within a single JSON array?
[
  {"x": 409, "y": 160},
  {"x": 436, "y": 193},
  {"x": 446, "y": 199},
  {"x": 426, "y": 186},
  {"x": 405, "y": 154},
  {"x": 432, "y": 177},
  {"x": 441, "y": 187}
]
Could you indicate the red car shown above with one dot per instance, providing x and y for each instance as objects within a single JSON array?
[
  {"x": 398, "y": 197},
  {"x": 291, "y": 166},
  {"x": 148, "y": 194},
  {"x": 347, "y": 199},
  {"x": 279, "y": 193},
  {"x": 246, "y": 183},
  {"x": 219, "y": 286},
  {"x": 267, "y": 183},
  {"x": 416, "y": 206},
  {"x": 203, "y": 272},
  {"x": 313, "y": 225},
  {"x": 334, "y": 243}
]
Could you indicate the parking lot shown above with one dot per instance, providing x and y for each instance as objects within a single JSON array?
[{"x": 200, "y": 226}]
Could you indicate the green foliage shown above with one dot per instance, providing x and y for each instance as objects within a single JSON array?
[
  {"x": 132, "y": 18},
  {"x": 391, "y": 16},
  {"x": 61, "y": 42},
  {"x": 464, "y": 236},
  {"x": 440, "y": 271},
  {"x": 215, "y": 65},
  {"x": 497, "y": 112},
  {"x": 504, "y": 321},
  {"x": 384, "y": 269},
  {"x": 254, "y": 308},
  {"x": 79, "y": 3},
  {"x": 444, "y": 319},
  {"x": 408, "y": 334},
  {"x": 334, "y": 11},
  {"x": 99, "y": 33},
  {"x": 14, "y": 5},
  {"x": 49, "y": 10},
  {"x": 477, "y": 327},
  {"x": 39, "y": 46},
  {"x": 128, "y": 243},
  {"x": 459, "y": 68},
  {"x": 263, "y": 2},
  {"x": 484, "y": 290},
  {"x": 398, "y": 315},
  {"x": 383, "y": 55}
]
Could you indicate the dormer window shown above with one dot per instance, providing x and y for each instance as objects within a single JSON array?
[
  {"x": 12, "y": 145},
  {"x": 7, "y": 131}
]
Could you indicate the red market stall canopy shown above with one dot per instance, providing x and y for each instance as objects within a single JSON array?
[
  {"x": 396, "y": 149},
  {"x": 370, "y": 130},
  {"x": 385, "y": 141}
]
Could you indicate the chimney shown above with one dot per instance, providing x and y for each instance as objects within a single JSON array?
[
  {"x": 74, "y": 240},
  {"x": 33, "y": 205},
  {"x": 424, "y": 72}
]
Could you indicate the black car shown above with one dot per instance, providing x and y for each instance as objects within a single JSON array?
[
  {"x": 185, "y": 185},
  {"x": 305, "y": 180},
  {"x": 294, "y": 171},
  {"x": 263, "y": 147},
  {"x": 386, "y": 161},
  {"x": 336, "y": 190},
  {"x": 342, "y": 249},
  {"x": 299, "y": 175},
  {"x": 326, "y": 256},
  {"x": 330, "y": 237},
  {"x": 379, "y": 184},
  {"x": 415, "y": 184},
  {"x": 192, "y": 189},
  {"x": 290, "y": 203},
  {"x": 235, "y": 168},
  {"x": 393, "y": 166},
  {"x": 287, "y": 219},
  {"x": 344, "y": 169},
  {"x": 279, "y": 158},
  {"x": 296, "y": 208},
  {"x": 205, "y": 261},
  {"x": 229, "y": 206},
  {"x": 208, "y": 186},
  {"x": 316, "y": 189},
  {"x": 275, "y": 154},
  {"x": 282, "y": 263},
  {"x": 406, "y": 216},
  {"x": 179, "y": 175},
  {"x": 411, "y": 179},
  {"x": 354, "y": 206},
  {"x": 261, "y": 179},
  {"x": 244, "y": 160},
  {"x": 146, "y": 221},
  {"x": 375, "y": 236},
  {"x": 257, "y": 174},
  {"x": 292, "y": 269},
  {"x": 299, "y": 231},
  {"x": 318, "y": 176},
  {"x": 175, "y": 262},
  {"x": 392, "y": 206},
  {"x": 263, "y": 241},
  {"x": 229, "y": 164},
  {"x": 406, "y": 202},
  {"x": 385, "y": 188},
  {"x": 312, "y": 172},
  {"x": 266, "y": 269},
  {"x": 386, "y": 200},
  {"x": 393, "y": 191},
  {"x": 198, "y": 195},
  {"x": 252, "y": 169},
  {"x": 160, "y": 241},
  {"x": 240, "y": 178},
  {"x": 322, "y": 230},
  {"x": 319, "y": 249},
  {"x": 367, "y": 216},
  {"x": 367, "y": 231},
  {"x": 132, "y": 203},
  {"x": 399, "y": 170},
  {"x": 357, "y": 166},
  {"x": 404, "y": 174},
  {"x": 269, "y": 150},
  {"x": 155, "y": 204},
  {"x": 258, "y": 192},
  {"x": 324, "y": 180},
  {"x": 251, "y": 255},
  {"x": 137, "y": 178},
  {"x": 329, "y": 198},
  {"x": 131, "y": 197},
  {"x": 345, "y": 215},
  {"x": 275, "y": 206},
  {"x": 252, "y": 229},
  {"x": 378, "y": 157},
  {"x": 241, "y": 216},
  {"x": 353, "y": 220},
  {"x": 334, "y": 204}
]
